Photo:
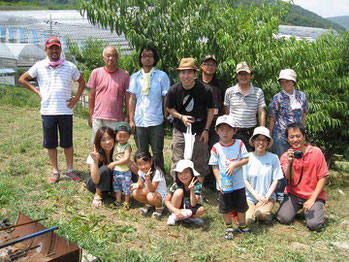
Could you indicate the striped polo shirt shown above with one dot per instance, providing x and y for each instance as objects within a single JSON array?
[
  {"x": 54, "y": 86},
  {"x": 244, "y": 108}
]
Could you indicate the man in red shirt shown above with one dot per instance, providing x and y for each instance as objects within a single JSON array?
[{"x": 305, "y": 168}]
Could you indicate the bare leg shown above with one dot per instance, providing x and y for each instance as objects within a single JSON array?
[
  {"x": 69, "y": 156},
  {"x": 227, "y": 218},
  {"x": 127, "y": 198},
  {"x": 118, "y": 196},
  {"x": 154, "y": 199},
  {"x": 241, "y": 217},
  {"x": 52, "y": 154}
]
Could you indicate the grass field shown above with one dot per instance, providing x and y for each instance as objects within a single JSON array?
[{"x": 115, "y": 235}]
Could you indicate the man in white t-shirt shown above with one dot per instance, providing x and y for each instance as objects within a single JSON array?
[{"x": 54, "y": 76}]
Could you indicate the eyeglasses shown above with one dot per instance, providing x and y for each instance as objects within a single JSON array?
[
  {"x": 147, "y": 56},
  {"x": 209, "y": 64},
  {"x": 261, "y": 140}
]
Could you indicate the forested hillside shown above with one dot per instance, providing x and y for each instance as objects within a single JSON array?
[
  {"x": 37, "y": 4},
  {"x": 341, "y": 20}
]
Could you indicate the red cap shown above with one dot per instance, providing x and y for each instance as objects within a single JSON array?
[{"x": 52, "y": 41}]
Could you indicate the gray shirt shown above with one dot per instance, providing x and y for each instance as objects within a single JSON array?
[{"x": 244, "y": 107}]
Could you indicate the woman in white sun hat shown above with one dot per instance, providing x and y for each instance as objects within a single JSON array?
[
  {"x": 286, "y": 107},
  {"x": 261, "y": 175}
]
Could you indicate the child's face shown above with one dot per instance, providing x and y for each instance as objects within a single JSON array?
[
  {"x": 186, "y": 176},
  {"x": 225, "y": 133},
  {"x": 107, "y": 142},
  {"x": 122, "y": 137},
  {"x": 143, "y": 165}
]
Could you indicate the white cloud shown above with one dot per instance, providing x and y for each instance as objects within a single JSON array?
[{"x": 325, "y": 8}]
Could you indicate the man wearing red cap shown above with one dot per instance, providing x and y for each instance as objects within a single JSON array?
[{"x": 54, "y": 76}]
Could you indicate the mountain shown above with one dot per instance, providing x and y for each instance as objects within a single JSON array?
[{"x": 341, "y": 20}]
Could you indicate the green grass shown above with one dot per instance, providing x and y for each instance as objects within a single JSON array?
[{"x": 115, "y": 235}]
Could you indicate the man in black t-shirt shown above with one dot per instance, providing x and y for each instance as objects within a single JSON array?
[
  {"x": 190, "y": 102},
  {"x": 218, "y": 87}
]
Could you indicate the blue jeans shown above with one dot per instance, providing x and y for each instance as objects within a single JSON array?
[{"x": 280, "y": 146}]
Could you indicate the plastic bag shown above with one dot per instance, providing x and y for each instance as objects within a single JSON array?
[{"x": 189, "y": 140}]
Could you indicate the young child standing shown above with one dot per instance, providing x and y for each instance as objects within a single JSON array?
[
  {"x": 122, "y": 174},
  {"x": 183, "y": 196},
  {"x": 150, "y": 188},
  {"x": 227, "y": 158}
]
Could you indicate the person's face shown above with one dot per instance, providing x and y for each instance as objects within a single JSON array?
[
  {"x": 295, "y": 138},
  {"x": 209, "y": 67},
  {"x": 147, "y": 58},
  {"x": 53, "y": 52},
  {"x": 186, "y": 176},
  {"x": 107, "y": 142},
  {"x": 122, "y": 137},
  {"x": 143, "y": 165},
  {"x": 225, "y": 133},
  {"x": 110, "y": 56},
  {"x": 244, "y": 77},
  {"x": 187, "y": 77},
  {"x": 260, "y": 143},
  {"x": 287, "y": 85}
]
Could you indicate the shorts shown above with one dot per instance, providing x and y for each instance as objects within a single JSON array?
[
  {"x": 193, "y": 209},
  {"x": 122, "y": 181},
  {"x": 235, "y": 200},
  {"x": 64, "y": 123},
  {"x": 105, "y": 181}
]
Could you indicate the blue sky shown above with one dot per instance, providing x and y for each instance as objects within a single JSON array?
[{"x": 325, "y": 8}]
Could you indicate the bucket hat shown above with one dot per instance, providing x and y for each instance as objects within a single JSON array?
[
  {"x": 288, "y": 74},
  {"x": 261, "y": 130},
  {"x": 183, "y": 164}
]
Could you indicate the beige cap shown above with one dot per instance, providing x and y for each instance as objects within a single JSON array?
[
  {"x": 187, "y": 64},
  {"x": 288, "y": 74},
  {"x": 243, "y": 67}
]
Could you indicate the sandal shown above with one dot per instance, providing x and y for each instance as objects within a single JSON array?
[
  {"x": 54, "y": 178},
  {"x": 158, "y": 212},
  {"x": 144, "y": 210},
  {"x": 116, "y": 205},
  {"x": 97, "y": 201},
  {"x": 72, "y": 175},
  {"x": 126, "y": 206}
]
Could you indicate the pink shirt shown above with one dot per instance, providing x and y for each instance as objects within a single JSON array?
[
  {"x": 110, "y": 92},
  {"x": 315, "y": 168}
]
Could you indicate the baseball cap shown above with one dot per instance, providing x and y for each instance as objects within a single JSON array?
[
  {"x": 123, "y": 126},
  {"x": 52, "y": 41},
  {"x": 208, "y": 57},
  {"x": 243, "y": 67},
  {"x": 226, "y": 119}
]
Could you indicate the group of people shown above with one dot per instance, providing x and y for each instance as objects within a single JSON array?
[{"x": 231, "y": 141}]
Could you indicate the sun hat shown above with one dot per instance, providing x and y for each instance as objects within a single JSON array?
[
  {"x": 261, "y": 130},
  {"x": 187, "y": 63},
  {"x": 208, "y": 57},
  {"x": 226, "y": 119},
  {"x": 52, "y": 41},
  {"x": 243, "y": 67},
  {"x": 288, "y": 74},
  {"x": 183, "y": 164},
  {"x": 123, "y": 126}
]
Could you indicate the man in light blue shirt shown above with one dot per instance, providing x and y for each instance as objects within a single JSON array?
[{"x": 148, "y": 89}]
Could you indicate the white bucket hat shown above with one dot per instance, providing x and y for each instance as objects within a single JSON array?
[
  {"x": 226, "y": 119},
  {"x": 183, "y": 164},
  {"x": 261, "y": 130},
  {"x": 288, "y": 74}
]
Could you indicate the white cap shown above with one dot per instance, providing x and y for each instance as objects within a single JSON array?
[
  {"x": 288, "y": 74},
  {"x": 261, "y": 130},
  {"x": 226, "y": 119},
  {"x": 183, "y": 164}
]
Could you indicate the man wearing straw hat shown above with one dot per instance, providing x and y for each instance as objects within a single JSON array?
[{"x": 191, "y": 103}]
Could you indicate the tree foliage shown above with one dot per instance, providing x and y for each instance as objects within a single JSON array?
[{"x": 234, "y": 33}]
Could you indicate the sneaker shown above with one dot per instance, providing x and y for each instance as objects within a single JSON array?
[
  {"x": 54, "y": 178},
  {"x": 72, "y": 175},
  {"x": 197, "y": 221},
  {"x": 244, "y": 229},
  {"x": 171, "y": 221},
  {"x": 116, "y": 205},
  {"x": 229, "y": 234},
  {"x": 126, "y": 206}
]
